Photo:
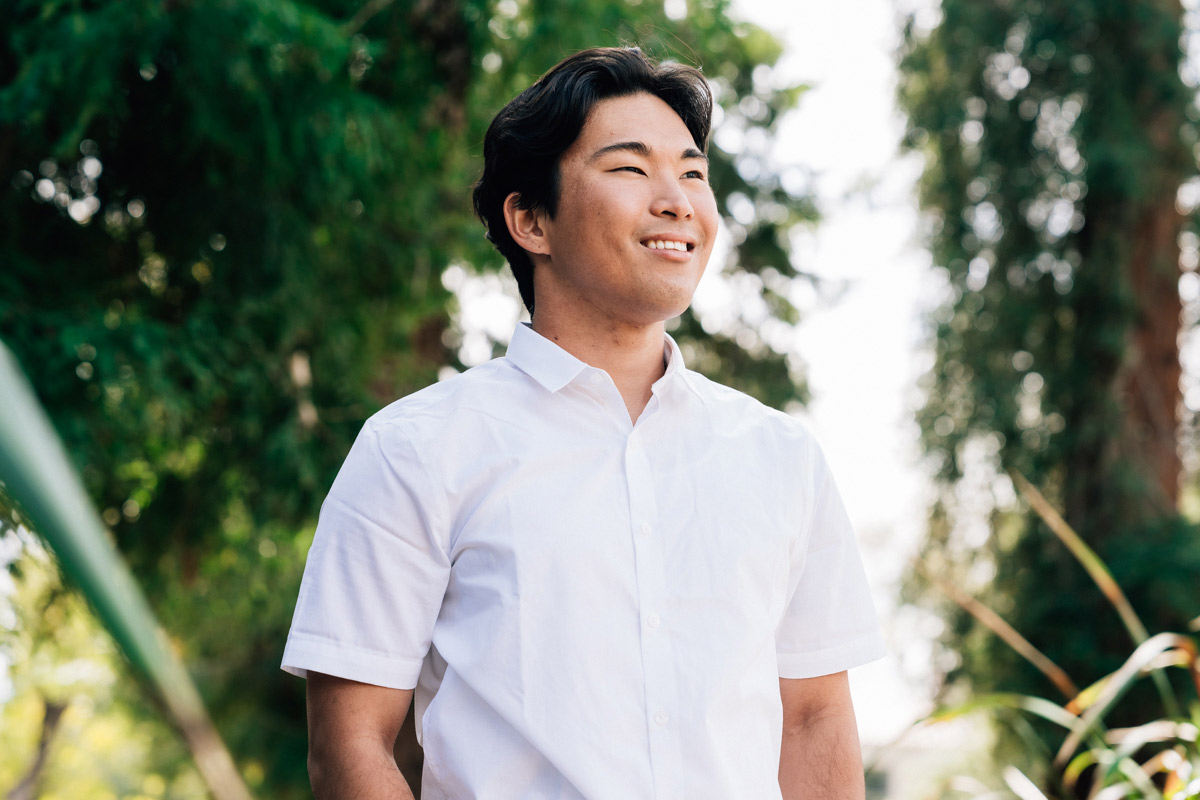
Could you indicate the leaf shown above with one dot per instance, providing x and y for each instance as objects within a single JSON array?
[
  {"x": 1098, "y": 572},
  {"x": 36, "y": 474},
  {"x": 1019, "y": 702},
  {"x": 1160, "y": 730},
  {"x": 1139, "y": 778},
  {"x": 1087, "y": 698},
  {"x": 1021, "y": 785},
  {"x": 997, "y": 624},
  {"x": 1095, "y": 567},
  {"x": 1079, "y": 763},
  {"x": 1143, "y": 658}
]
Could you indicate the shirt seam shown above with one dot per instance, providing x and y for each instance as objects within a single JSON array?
[{"x": 439, "y": 518}]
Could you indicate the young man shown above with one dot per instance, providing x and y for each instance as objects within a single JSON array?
[{"x": 599, "y": 574}]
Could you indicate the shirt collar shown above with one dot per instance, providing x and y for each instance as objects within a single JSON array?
[
  {"x": 677, "y": 371},
  {"x": 553, "y": 367},
  {"x": 674, "y": 357},
  {"x": 541, "y": 359}
]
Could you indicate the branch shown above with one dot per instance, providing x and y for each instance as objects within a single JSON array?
[
  {"x": 364, "y": 16},
  {"x": 26, "y": 788}
]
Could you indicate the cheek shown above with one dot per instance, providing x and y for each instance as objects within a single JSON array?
[
  {"x": 707, "y": 213},
  {"x": 704, "y": 201},
  {"x": 608, "y": 205}
]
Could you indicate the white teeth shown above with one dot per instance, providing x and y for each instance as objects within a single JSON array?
[{"x": 656, "y": 244}]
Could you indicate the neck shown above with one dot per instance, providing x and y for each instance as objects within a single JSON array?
[{"x": 631, "y": 355}]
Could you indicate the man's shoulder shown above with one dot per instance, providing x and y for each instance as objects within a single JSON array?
[
  {"x": 487, "y": 385},
  {"x": 737, "y": 417},
  {"x": 725, "y": 400}
]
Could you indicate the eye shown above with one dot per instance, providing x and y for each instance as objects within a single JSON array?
[
  {"x": 637, "y": 170},
  {"x": 695, "y": 173}
]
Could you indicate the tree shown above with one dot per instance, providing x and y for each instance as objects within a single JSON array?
[
  {"x": 1057, "y": 135},
  {"x": 223, "y": 229}
]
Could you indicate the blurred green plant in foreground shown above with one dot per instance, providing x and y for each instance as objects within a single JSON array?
[
  {"x": 1154, "y": 759},
  {"x": 37, "y": 476}
]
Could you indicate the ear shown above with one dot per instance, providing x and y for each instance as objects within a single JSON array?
[{"x": 525, "y": 225}]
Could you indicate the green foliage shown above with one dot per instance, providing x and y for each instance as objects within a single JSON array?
[
  {"x": 105, "y": 744},
  {"x": 1046, "y": 128},
  {"x": 1150, "y": 758},
  {"x": 222, "y": 231},
  {"x": 1056, "y": 135},
  {"x": 35, "y": 473}
]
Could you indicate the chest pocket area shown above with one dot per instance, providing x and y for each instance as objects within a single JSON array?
[
  {"x": 547, "y": 527},
  {"x": 733, "y": 547}
]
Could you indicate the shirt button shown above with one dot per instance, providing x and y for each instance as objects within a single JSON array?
[
  {"x": 597, "y": 379},
  {"x": 644, "y": 529},
  {"x": 661, "y": 718},
  {"x": 653, "y": 620}
]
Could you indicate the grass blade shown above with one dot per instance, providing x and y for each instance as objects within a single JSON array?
[
  {"x": 1146, "y": 657},
  {"x": 1099, "y": 573},
  {"x": 997, "y": 625},
  {"x": 1037, "y": 706},
  {"x": 1075, "y": 769},
  {"x": 37, "y": 474},
  {"x": 1021, "y": 785},
  {"x": 1084, "y": 554},
  {"x": 1160, "y": 730}
]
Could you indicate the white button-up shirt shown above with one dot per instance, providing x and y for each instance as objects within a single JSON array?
[{"x": 588, "y": 608}]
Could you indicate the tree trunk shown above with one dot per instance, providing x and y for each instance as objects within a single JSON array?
[{"x": 1149, "y": 384}]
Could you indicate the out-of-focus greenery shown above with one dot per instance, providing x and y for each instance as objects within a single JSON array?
[
  {"x": 222, "y": 232},
  {"x": 105, "y": 744},
  {"x": 36, "y": 474},
  {"x": 1156, "y": 756},
  {"x": 1057, "y": 135}
]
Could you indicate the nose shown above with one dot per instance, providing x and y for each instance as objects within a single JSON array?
[{"x": 671, "y": 201}]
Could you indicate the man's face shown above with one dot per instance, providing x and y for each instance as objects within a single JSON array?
[{"x": 636, "y": 217}]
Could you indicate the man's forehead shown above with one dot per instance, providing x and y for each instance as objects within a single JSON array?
[{"x": 639, "y": 123}]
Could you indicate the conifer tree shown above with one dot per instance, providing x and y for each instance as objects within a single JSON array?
[{"x": 1057, "y": 135}]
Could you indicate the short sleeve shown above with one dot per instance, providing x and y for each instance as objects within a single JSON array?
[
  {"x": 377, "y": 570},
  {"x": 830, "y": 623}
]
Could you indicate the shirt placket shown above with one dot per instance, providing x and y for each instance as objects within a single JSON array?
[{"x": 658, "y": 658}]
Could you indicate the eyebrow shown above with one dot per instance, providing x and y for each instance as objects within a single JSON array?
[{"x": 641, "y": 149}]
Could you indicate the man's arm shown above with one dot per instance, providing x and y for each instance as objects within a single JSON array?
[
  {"x": 352, "y": 728},
  {"x": 820, "y": 758}
]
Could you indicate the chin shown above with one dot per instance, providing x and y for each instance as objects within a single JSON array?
[{"x": 667, "y": 312}]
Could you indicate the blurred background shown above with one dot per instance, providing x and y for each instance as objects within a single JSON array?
[{"x": 959, "y": 239}]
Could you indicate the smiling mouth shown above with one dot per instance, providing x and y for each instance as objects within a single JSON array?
[{"x": 669, "y": 244}]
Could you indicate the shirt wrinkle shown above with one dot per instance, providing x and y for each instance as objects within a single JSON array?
[{"x": 586, "y": 611}]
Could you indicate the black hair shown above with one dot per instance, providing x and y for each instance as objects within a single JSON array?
[{"x": 526, "y": 140}]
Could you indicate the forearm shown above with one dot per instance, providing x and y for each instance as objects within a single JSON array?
[
  {"x": 352, "y": 729},
  {"x": 368, "y": 772},
  {"x": 820, "y": 757}
]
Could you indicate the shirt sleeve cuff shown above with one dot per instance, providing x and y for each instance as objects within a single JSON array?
[
  {"x": 837, "y": 658},
  {"x": 304, "y": 654}
]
